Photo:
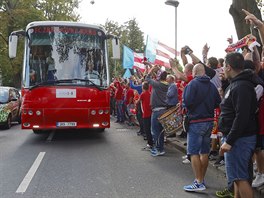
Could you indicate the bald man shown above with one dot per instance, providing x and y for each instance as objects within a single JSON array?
[{"x": 200, "y": 98}]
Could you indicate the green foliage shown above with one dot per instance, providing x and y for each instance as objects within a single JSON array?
[
  {"x": 15, "y": 15},
  {"x": 130, "y": 35},
  {"x": 40, "y": 10}
]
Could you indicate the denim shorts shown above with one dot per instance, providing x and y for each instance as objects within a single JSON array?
[
  {"x": 260, "y": 142},
  {"x": 238, "y": 159},
  {"x": 198, "y": 138}
]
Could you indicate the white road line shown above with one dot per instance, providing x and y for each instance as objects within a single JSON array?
[
  {"x": 27, "y": 179},
  {"x": 51, "y": 135}
]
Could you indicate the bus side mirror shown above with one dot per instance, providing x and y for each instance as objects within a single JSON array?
[
  {"x": 116, "y": 48},
  {"x": 13, "y": 46}
]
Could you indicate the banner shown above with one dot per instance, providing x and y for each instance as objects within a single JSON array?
[
  {"x": 158, "y": 53},
  {"x": 132, "y": 59}
]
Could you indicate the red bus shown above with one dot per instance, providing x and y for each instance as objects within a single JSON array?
[{"x": 65, "y": 76}]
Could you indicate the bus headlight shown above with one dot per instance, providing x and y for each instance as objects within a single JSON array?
[
  {"x": 93, "y": 112},
  {"x": 101, "y": 111},
  {"x": 38, "y": 113},
  {"x": 30, "y": 112},
  {"x": 26, "y": 124},
  {"x": 106, "y": 111},
  {"x": 105, "y": 123}
]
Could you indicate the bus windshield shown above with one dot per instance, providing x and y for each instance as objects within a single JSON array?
[{"x": 64, "y": 52}]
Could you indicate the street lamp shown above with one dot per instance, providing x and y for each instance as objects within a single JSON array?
[{"x": 174, "y": 4}]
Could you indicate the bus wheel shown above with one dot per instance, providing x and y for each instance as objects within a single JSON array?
[
  {"x": 8, "y": 122},
  {"x": 38, "y": 131},
  {"x": 101, "y": 130}
]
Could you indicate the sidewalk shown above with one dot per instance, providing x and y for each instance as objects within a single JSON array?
[{"x": 180, "y": 144}]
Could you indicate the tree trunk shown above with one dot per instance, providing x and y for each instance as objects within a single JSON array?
[{"x": 235, "y": 10}]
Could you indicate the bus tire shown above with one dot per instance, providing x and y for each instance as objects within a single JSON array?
[{"x": 101, "y": 130}]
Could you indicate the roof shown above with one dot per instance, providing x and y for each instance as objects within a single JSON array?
[{"x": 63, "y": 23}]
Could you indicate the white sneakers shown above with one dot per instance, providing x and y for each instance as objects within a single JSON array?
[
  {"x": 185, "y": 159},
  {"x": 258, "y": 181}
]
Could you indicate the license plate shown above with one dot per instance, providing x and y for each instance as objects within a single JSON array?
[{"x": 66, "y": 124}]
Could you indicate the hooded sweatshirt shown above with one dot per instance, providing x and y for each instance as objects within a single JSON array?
[
  {"x": 238, "y": 108},
  {"x": 200, "y": 97}
]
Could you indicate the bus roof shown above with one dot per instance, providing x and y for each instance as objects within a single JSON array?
[{"x": 63, "y": 23}]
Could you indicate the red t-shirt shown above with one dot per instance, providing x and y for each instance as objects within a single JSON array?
[
  {"x": 118, "y": 91},
  {"x": 145, "y": 104},
  {"x": 129, "y": 94},
  {"x": 181, "y": 85},
  {"x": 112, "y": 91}
]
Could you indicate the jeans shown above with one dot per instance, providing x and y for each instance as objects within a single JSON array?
[
  {"x": 120, "y": 111},
  {"x": 198, "y": 138},
  {"x": 112, "y": 106},
  {"x": 147, "y": 130},
  {"x": 139, "y": 118},
  {"x": 238, "y": 159},
  {"x": 156, "y": 129}
]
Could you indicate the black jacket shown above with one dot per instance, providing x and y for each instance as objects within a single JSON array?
[{"x": 238, "y": 108}]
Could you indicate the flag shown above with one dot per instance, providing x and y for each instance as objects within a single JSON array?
[
  {"x": 132, "y": 59},
  {"x": 127, "y": 74},
  {"x": 158, "y": 53}
]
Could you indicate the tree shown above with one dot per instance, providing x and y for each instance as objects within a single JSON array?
[
  {"x": 61, "y": 10},
  {"x": 235, "y": 10},
  {"x": 11, "y": 20},
  {"x": 133, "y": 36},
  {"x": 130, "y": 35},
  {"x": 114, "y": 28}
]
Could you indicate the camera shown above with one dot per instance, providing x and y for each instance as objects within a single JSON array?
[{"x": 187, "y": 50}]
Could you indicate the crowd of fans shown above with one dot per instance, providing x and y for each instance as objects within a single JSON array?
[{"x": 221, "y": 99}]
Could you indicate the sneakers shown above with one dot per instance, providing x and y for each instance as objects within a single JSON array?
[
  {"x": 224, "y": 193},
  {"x": 186, "y": 161},
  {"x": 220, "y": 161},
  {"x": 183, "y": 134},
  {"x": 147, "y": 148},
  {"x": 258, "y": 181},
  {"x": 194, "y": 187},
  {"x": 155, "y": 152},
  {"x": 213, "y": 155}
]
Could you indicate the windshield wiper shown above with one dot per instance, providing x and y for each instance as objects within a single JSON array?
[
  {"x": 53, "y": 82},
  {"x": 89, "y": 81},
  {"x": 42, "y": 84}
]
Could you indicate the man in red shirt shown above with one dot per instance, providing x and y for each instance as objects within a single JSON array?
[
  {"x": 112, "y": 99},
  {"x": 146, "y": 113},
  {"x": 129, "y": 102},
  {"x": 119, "y": 102}
]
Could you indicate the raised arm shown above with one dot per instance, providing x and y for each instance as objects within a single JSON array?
[
  {"x": 183, "y": 56},
  {"x": 253, "y": 20},
  {"x": 179, "y": 75},
  {"x": 205, "y": 53}
]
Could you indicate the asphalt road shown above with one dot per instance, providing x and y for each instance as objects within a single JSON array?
[{"x": 87, "y": 164}]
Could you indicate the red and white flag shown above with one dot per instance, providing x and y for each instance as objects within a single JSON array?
[
  {"x": 132, "y": 59},
  {"x": 158, "y": 53}
]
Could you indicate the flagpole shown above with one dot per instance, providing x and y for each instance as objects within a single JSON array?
[{"x": 174, "y": 4}]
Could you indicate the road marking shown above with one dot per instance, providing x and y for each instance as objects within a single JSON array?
[
  {"x": 51, "y": 135},
  {"x": 27, "y": 179}
]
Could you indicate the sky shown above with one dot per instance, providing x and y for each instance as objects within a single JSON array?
[{"x": 198, "y": 21}]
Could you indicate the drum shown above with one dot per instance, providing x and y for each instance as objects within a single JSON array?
[{"x": 171, "y": 120}]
